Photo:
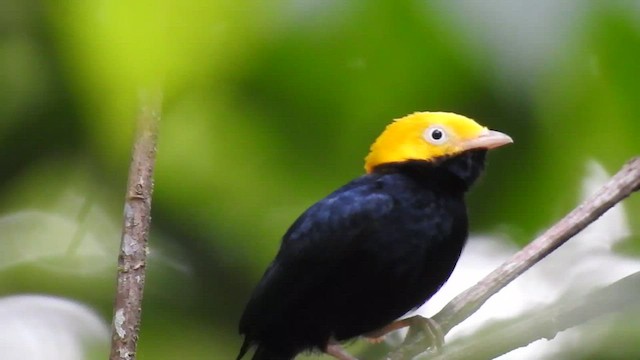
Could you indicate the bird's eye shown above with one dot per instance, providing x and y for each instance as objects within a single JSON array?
[{"x": 435, "y": 135}]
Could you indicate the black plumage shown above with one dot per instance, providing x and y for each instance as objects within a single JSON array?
[{"x": 363, "y": 256}]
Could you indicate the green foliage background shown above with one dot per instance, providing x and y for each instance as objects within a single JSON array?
[{"x": 267, "y": 108}]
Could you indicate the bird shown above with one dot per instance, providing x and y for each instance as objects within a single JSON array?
[{"x": 374, "y": 249}]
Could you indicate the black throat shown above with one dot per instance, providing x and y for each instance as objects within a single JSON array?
[{"x": 456, "y": 172}]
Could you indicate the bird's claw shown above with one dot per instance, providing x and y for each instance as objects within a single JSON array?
[{"x": 429, "y": 327}]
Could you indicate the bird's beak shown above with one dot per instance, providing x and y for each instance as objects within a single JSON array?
[{"x": 488, "y": 139}]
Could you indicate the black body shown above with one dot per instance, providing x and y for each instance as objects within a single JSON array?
[{"x": 362, "y": 257}]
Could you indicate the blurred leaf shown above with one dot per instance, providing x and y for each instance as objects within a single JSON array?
[
  {"x": 37, "y": 327},
  {"x": 114, "y": 49},
  {"x": 581, "y": 115}
]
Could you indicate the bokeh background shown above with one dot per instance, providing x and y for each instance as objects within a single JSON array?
[{"x": 269, "y": 106}]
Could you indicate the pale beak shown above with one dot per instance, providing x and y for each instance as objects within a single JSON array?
[{"x": 489, "y": 139}]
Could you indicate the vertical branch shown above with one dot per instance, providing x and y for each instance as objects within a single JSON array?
[{"x": 135, "y": 233}]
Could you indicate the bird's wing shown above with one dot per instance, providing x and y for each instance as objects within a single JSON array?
[
  {"x": 315, "y": 249},
  {"x": 331, "y": 226}
]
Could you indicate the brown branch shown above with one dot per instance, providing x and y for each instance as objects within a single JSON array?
[
  {"x": 626, "y": 181},
  {"x": 546, "y": 322},
  {"x": 135, "y": 234}
]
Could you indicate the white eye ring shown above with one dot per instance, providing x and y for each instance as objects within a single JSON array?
[{"x": 435, "y": 135}]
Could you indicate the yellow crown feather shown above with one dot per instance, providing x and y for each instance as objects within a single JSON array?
[{"x": 430, "y": 135}]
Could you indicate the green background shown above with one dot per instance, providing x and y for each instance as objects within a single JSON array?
[{"x": 267, "y": 108}]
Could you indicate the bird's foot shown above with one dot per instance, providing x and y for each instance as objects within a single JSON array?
[
  {"x": 335, "y": 349},
  {"x": 429, "y": 327},
  {"x": 378, "y": 335},
  {"x": 415, "y": 323},
  {"x": 374, "y": 339}
]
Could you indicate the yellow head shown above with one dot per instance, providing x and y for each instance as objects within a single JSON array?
[{"x": 430, "y": 135}]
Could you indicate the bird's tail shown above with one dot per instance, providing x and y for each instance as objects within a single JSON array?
[
  {"x": 263, "y": 353},
  {"x": 246, "y": 344}
]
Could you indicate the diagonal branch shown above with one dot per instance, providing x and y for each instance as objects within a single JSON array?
[
  {"x": 547, "y": 322},
  {"x": 135, "y": 234},
  {"x": 621, "y": 185}
]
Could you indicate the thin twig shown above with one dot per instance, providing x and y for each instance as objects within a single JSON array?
[
  {"x": 546, "y": 322},
  {"x": 135, "y": 234},
  {"x": 626, "y": 181}
]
